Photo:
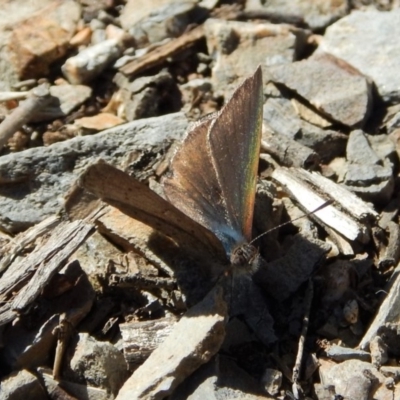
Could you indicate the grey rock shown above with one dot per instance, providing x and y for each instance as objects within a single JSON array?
[
  {"x": 166, "y": 21},
  {"x": 280, "y": 116},
  {"x": 359, "y": 151},
  {"x": 136, "y": 10},
  {"x": 92, "y": 61},
  {"x": 99, "y": 364},
  {"x": 220, "y": 379},
  {"x": 339, "y": 353},
  {"x": 239, "y": 47},
  {"x": 375, "y": 33},
  {"x": 374, "y": 183},
  {"x": 336, "y": 89},
  {"x": 22, "y": 385},
  {"x": 364, "y": 175},
  {"x": 201, "y": 329},
  {"x": 33, "y": 182},
  {"x": 317, "y": 14},
  {"x": 378, "y": 193},
  {"x": 150, "y": 96},
  {"x": 327, "y": 143},
  {"x": 66, "y": 99}
]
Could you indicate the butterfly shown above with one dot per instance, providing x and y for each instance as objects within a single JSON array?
[{"x": 212, "y": 185}]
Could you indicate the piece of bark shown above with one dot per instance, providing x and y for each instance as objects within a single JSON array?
[
  {"x": 160, "y": 54},
  {"x": 142, "y": 337},
  {"x": 63, "y": 242},
  {"x": 192, "y": 342},
  {"x": 40, "y": 265},
  {"x": 25, "y": 239},
  {"x": 30, "y": 339},
  {"x": 302, "y": 186}
]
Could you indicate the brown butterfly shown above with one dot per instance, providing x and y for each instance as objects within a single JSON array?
[{"x": 211, "y": 190}]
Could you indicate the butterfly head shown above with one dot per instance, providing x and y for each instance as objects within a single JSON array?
[{"x": 245, "y": 255}]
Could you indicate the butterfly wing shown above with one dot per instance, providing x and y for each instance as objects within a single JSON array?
[
  {"x": 207, "y": 170},
  {"x": 240, "y": 123},
  {"x": 135, "y": 199}
]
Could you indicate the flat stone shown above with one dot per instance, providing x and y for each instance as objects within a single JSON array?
[
  {"x": 316, "y": 14},
  {"x": 240, "y": 47},
  {"x": 33, "y": 182},
  {"x": 70, "y": 96},
  {"x": 43, "y": 38},
  {"x": 192, "y": 342},
  {"x": 365, "y": 175},
  {"x": 161, "y": 20},
  {"x": 22, "y": 385},
  {"x": 375, "y": 33},
  {"x": 339, "y": 353},
  {"x": 373, "y": 183},
  {"x": 99, "y": 364},
  {"x": 359, "y": 150},
  {"x": 135, "y": 10},
  {"x": 337, "y": 90}
]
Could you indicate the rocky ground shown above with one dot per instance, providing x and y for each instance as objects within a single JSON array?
[{"x": 96, "y": 303}]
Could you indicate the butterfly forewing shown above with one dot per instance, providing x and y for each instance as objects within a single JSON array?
[
  {"x": 234, "y": 139},
  {"x": 215, "y": 185}
]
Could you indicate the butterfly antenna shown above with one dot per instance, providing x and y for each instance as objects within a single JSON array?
[{"x": 327, "y": 203}]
